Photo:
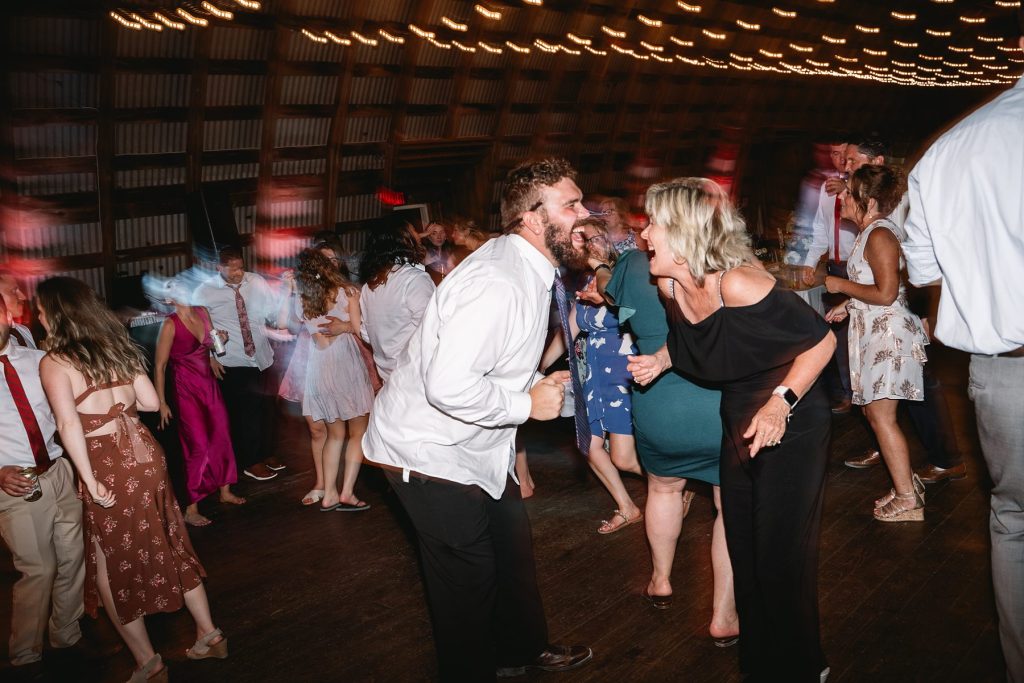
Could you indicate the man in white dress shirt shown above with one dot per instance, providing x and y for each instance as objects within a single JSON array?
[
  {"x": 43, "y": 535},
  {"x": 14, "y": 298},
  {"x": 241, "y": 303},
  {"x": 444, "y": 428},
  {"x": 966, "y": 233}
]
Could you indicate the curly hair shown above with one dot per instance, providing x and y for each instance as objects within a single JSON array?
[
  {"x": 702, "y": 226},
  {"x": 85, "y": 333},
  {"x": 884, "y": 184},
  {"x": 523, "y": 185},
  {"x": 319, "y": 281},
  {"x": 392, "y": 245}
]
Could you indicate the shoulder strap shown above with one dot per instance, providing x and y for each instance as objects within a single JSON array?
[{"x": 98, "y": 387}]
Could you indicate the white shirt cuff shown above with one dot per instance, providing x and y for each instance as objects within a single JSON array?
[{"x": 520, "y": 407}]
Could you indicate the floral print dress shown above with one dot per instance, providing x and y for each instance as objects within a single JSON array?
[{"x": 887, "y": 343}]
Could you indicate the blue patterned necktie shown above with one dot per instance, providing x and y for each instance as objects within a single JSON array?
[{"x": 580, "y": 405}]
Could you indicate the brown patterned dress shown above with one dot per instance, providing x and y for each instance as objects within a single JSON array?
[
  {"x": 150, "y": 560},
  {"x": 887, "y": 343}
]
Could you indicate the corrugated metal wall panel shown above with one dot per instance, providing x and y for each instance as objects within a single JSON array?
[
  {"x": 539, "y": 59},
  {"x": 150, "y": 138},
  {"x": 58, "y": 183},
  {"x": 425, "y": 127},
  {"x": 367, "y": 129},
  {"x": 529, "y": 92},
  {"x": 234, "y": 42},
  {"x": 430, "y": 91},
  {"x": 228, "y": 90},
  {"x": 151, "y": 231},
  {"x": 92, "y": 277},
  {"x": 299, "y": 167},
  {"x": 475, "y": 125},
  {"x": 245, "y": 219},
  {"x": 53, "y": 36},
  {"x": 384, "y": 53},
  {"x": 40, "y": 241},
  {"x": 600, "y": 121},
  {"x": 564, "y": 122},
  {"x": 150, "y": 177},
  {"x": 309, "y": 89},
  {"x": 151, "y": 90},
  {"x": 166, "y": 44},
  {"x": 552, "y": 22},
  {"x": 514, "y": 151},
  {"x": 389, "y": 10},
  {"x": 302, "y": 49},
  {"x": 558, "y": 149},
  {"x": 436, "y": 56},
  {"x": 372, "y": 90},
  {"x": 54, "y": 140},
  {"x": 355, "y": 241},
  {"x": 522, "y": 124},
  {"x": 296, "y": 214},
  {"x": 482, "y": 91},
  {"x": 321, "y": 8},
  {"x": 230, "y": 172},
  {"x": 47, "y": 89},
  {"x": 301, "y": 132},
  {"x": 634, "y": 121},
  {"x": 232, "y": 135},
  {"x": 489, "y": 60},
  {"x": 357, "y": 208},
  {"x": 166, "y": 266},
  {"x": 362, "y": 162},
  {"x": 588, "y": 182}
]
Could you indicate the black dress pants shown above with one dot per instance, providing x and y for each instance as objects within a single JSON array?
[
  {"x": 250, "y": 405},
  {"x": 478, "y": 567}
]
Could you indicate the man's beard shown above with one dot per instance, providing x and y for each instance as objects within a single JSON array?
[{"x": 561, "y": 247}]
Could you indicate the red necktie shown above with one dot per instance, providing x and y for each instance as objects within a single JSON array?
[
  {"x": 838, "y": 204},
  {"x": 28, "y": 418},
  {"x": 243, "y": 322}
]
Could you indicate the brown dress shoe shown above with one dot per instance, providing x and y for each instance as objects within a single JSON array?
[
  {"x": 842, "y": 407},
  {"x": 869, "y": 459},
  {"x": 933, "y": 474},
  {"x": 553, "y": 658}
]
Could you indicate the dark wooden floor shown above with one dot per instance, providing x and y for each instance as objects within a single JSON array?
[{"x": 305, "y": 596}]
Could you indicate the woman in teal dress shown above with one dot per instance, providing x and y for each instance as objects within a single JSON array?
[{"x": 678, "y": 432}]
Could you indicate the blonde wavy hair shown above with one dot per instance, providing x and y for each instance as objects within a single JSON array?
[
  {"x": 85, "y": 333},
  {"x": 702, "y": 226}
]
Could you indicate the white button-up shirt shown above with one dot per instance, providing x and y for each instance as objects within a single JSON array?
[
  {"x": 391, "y": 313},
  {"x": 261, "y": 305},
  {"x": 451, "y": 406},
  {"x": 14, "y": 445},
  {"x": 966, "y": 227},
  {"x": 25, "y": 333},
  {"x": 823, "y": 232}
]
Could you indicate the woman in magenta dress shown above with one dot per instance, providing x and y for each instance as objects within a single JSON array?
[{"x": 184, "y": 344}]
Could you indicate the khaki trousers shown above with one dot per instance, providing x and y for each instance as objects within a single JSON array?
[{"x": 45, "y": 538}]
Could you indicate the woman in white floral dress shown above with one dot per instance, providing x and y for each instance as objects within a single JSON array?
[{"x": 887, "y": 341}]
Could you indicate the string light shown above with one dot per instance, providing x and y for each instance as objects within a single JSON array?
[
  {"x": 654, "y": 23},
  {"x": 1007, "y": 3},
  {"x": 901, "y": 43},
  {"x": 905, "y": 65},
  {"x": 454, "y": 25},
  {"x": 151, "y": 25},
  {"x": 903, "y": 17},
  {"x": 688, "y": 8},
  {"x": 1008, "y": 48},
  {"x": 801, "y": 48},
  {"x": 956, "y": 65},
  {"x": 517, "y": 48},
  {"x": 875, "y": 53},
  {"x": 337, "y": 39},
  {"x": 990, "y": 39},
  {"x": 848, "y": 60},
  {"x": 954, "y": 48},
  {"x": 439, "y": 44},
  {"x": 773, "y": 55},
  {"x": 579, "y": 41},
  {"x": 613, "y": 33},
  {"x": 660, "y": 58},
  {"x": 191, "y": 18},
  {"x": 983, "y": 58},
  {"x": 835, "y": 41},
  {"x": 464, "y": 48},
  {"x": 426, "y": 35},
  {"x": 748, "y": 26},
  {"x": 494, "y": 50},
  {"x": 568, "y": 51},
  {"x": 943, "y": 2},
  {"x": 314, "y": 37},
  {"x": 535, "y": 3},
  {"x": 820, "y": 65},
  {"x": 364, "y": 40},
  {"x": 217, "y": 11},
  {"x": 712, "y": 34},
  {"x": 651, "y": 47},
  {"x": 599, "y": 53},
  {"x": 973, "y": 20},
  {"x": 783, "y": 13},
  {"x": 930, "y": 58},
  {"x": 489, "y": 14},
  {"x": 740, "y": 58},
  {"x": 866, "y": 29},
  {"x": 125, "y": 21},
  {"x": 938, "y": 34},
  {"x": 168, "y": 22},
  {"x": 248, "y": 4},
  {"x": 398, "y": 40},
  {"x": 546, "y": 47},
  {"x": 681, "y": 43}
]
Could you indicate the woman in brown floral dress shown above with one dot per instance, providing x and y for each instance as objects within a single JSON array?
[
  {"x": 887, "y": 341},
  {"x": 139, "y": 558}
]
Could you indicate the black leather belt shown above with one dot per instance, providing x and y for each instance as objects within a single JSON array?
[{"x": 1015, "y": 353}]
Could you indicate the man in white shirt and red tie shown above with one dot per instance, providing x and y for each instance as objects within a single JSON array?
[
  {"x": 14, "y": 298},
  {"x": 241, "y": 303},
  {"x": 966, "y": 234},
  {"x": 444, "y": 429},
  {"x": 44, "y": 534}
]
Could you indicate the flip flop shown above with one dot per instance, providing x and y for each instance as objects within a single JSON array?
[
  {"x": 314, "y": 496},
  {"x": 330, "y": 508},
  {"x": 727, "y": 641},
  {"x": 345, "y": 507},
  {"x": 658, "y": 601},
  {"x": 626, "y": 521}
]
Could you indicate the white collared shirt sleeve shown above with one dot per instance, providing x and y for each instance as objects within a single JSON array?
[
  {"x": 917, "y": 249},
  {"x": 824, "y": 221}
]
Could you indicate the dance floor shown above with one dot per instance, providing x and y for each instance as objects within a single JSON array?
[{"x": 305, "y": 596}]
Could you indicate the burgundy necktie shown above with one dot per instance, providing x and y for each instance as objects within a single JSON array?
[
  {"x": 838, "y": 205},
  {"x": 243, "y": 322},
  {"x": 28, "y": 418}
]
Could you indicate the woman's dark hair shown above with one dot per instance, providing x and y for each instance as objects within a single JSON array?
[
  {"x": 85, "y": 333},
  {"x": 319, "y": 282},
  {"x": 884, "y": 184},
  {"x": 338, "y": 254},
  {"x": 392, "y": 244}
]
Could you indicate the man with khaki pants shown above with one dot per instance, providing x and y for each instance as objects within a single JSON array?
[{"x": 44, "y": 535}]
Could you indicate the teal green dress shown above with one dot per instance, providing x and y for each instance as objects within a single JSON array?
[{"x": 677, "y": 423}]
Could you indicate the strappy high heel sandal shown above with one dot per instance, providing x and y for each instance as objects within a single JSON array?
[
  {"x": 904, "y": 507},
  {"x": 203, "y": 649},
  {"x": 142, "y": 675},
  {"x": 887, "y": 498}
]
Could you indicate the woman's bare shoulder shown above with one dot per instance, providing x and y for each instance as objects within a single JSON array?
[{"x": 745, "y": 285}]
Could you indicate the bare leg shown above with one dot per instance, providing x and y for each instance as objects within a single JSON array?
[
  {"x": 332, "y": 461},
  {"x": 226, "y": 496},
  {"x": 664, "y": 517},
  {"x": 199, "y": 607},
  {"x": 134, "y": 632},
  {"x": 353, "y": 458},
  {"x": 881, "y": 415},
  {"x": 724, "y": 619},
  {"x": 526, "y": 486},
  {"x": 624, "y": 453},
  {"x": 193, "y": 517},
  {"x": 317, "y": 440},
  {"x": 601, "y": 463}
]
